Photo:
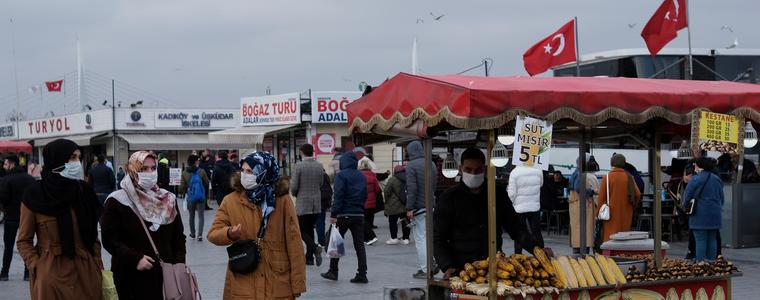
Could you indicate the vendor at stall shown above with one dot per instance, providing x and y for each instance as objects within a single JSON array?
[{"x": 460, "y": 230}]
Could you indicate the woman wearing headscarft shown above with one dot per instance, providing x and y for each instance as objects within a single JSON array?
[
  {"x": 140, "y": 202},
  {"x": 574, "y": 206},
  {"x": 624, "y": 197},
  {"x": 261, "y": 195},
  {"x": 62, "y": 211}
]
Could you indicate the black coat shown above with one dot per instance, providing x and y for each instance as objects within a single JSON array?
[
  {"x": 220, "y": 178},
  {"x": 102, "y": 179},
  {"x": 12, "y": 187},
  {"x": 460, "y": 229},
  {"x": 125, "y": 239}
]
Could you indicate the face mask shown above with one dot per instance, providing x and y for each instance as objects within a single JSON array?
[
  {"x": 147, "y": 180},
  {"x": 72, "y": 170},
  {"x": 248, "y": 181},
  {"x": 473, "y": 181}
]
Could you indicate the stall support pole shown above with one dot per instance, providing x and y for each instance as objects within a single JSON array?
[
  {"x": 428, "y": 144},
  {"x": 657, "y": 202},
  {"x": 491, "y": 175},
  {"x": 582, "y": 193}
]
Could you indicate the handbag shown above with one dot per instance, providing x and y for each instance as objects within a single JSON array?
[
  {"x": 179, "y": 281},
  {"x": 245, "y": 255},
  {"x": 691, "y": 206},
  {"x": 604, "y": 211},
  {"x": 109, "y": 287}
]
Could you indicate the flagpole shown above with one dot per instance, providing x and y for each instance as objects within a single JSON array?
[
  {"x": 414, "y": 57},
  {"x": 688, "y": 30},
  {"x": 80, "y": 76},
  {"x": 577, "y": 52},
  {"x": 15, "y": 76}
]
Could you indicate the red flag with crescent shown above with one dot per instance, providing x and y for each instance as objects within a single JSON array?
[
  {"x": 54, "y": 86},
  {"x": 664, "y": 25},
  {"x": 556, "y": 49}
]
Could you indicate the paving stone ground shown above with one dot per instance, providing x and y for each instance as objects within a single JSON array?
[{"x": 389, "y": 265}]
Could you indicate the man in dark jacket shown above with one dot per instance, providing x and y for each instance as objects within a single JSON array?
[
  {"x": 102, "y": 179},
  {"x": 220, "y": 178},
  {"x": 163, "y": 173},
  {"x": 348, "y": 213},
  {"x": 415, "y": 203},
  {"x": 460, "y": 228},
  {"x": 12, "y": 187}
]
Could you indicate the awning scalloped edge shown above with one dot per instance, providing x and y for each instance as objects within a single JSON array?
[{"x": 380, "y": 123}]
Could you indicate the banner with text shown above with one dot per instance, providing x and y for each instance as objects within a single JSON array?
[
  {"x": 175, "y": 176},
  {"x": 196, "y": 119},
  {"x": 282, "y": 109},
  {"x": 330, "y": 107},
  {"x": 79, "y": 123},
  {"x": 324, "y": 143},
  {"x": 533, "y": 143},
  {"x": 7, "y": 131},
  {"x": 718, "y": 132}
]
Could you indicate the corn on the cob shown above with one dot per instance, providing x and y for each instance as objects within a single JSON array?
[
  {"x": 572, "y": 280},
  {"x": 616, "y": 269},
  {"x": 578, "y": 273},
  {"x": 544, "y": 260},
  {"x": 609, "y": 275},
  {"x": 587, "y": 272},
  {"x": 560, "y": 274},
  {"x": 596, "y": 271}
]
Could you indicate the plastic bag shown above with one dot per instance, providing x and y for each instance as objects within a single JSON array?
[
  {"x": 109, "y": 288},
  {"x": 335, "y": 247}
]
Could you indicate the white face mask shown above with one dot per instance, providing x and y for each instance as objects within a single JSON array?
[
  {"x": 248, "y": 180},
  {"x": 473, "y": 181},
  {"x": 72, "y": 170},
  {"x": 147, "y": 180}
]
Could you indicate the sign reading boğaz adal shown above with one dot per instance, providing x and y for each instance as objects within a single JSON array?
[
  {"x": 282, "y": 109},
  {"x": 330, "y": 107},
  {"x": 533, "y": 143}
]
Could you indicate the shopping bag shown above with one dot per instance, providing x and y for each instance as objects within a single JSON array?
[
  {"x": 109, "y": 288},
  {"x": 335, "y": 247}
]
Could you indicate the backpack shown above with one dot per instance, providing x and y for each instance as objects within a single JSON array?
[
  {"x": 327, "y": 192},
  {"x": 195, "y": 190}
]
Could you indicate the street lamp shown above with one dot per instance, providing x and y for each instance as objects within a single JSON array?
[
  {"x": 506, "y": 136},
  {"x": 450, "y": 168},
  {"x": 499, "y": 156},
  {"x": 750, "y": 136}
]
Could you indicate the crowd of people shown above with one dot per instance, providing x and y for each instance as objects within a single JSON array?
[{"x": 58, "y": 213}]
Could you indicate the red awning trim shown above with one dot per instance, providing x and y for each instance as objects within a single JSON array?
[{"x": 471, "y": 102}]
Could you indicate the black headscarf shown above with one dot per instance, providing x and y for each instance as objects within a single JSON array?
[{"x": 55, "y": 196}]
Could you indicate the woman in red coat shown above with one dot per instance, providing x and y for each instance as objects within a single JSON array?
[{"x": 370, "y": 205}]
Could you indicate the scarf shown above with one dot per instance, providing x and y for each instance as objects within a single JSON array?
[
  {"x": 155, "y": 205},
  {"x": 56, "y": 196},
  {"x": 267, "y": 173}
]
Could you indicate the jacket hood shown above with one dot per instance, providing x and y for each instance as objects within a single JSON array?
[
  {"x": 415, "y": 150},
  {"x": 348, "y": 161},
  {"x": 401, "y": 176}
]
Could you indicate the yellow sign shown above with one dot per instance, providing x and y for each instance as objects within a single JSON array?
[{"x": 718, "y": 127}]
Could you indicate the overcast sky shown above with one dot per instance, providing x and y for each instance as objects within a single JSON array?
[{"x": 211, "y": 53}]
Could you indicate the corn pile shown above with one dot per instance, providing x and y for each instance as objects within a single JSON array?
[
  {"x": 517, "y": 270},
  {"x": 590, "y": 271}
]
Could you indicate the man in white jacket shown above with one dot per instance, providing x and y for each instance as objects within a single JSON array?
[{"x": 524, "y": 190}]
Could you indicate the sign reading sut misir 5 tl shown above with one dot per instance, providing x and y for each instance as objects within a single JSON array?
[
  {"x": 282, "y": 109},
  {"x": 533, "y": 143}
]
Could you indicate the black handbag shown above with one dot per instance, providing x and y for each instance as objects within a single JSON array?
[{"x": 245, "y": 255}]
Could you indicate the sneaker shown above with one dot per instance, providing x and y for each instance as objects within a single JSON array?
[
  {"x": 420, "y": 275},
  {"x": 405, "y": 242},
  {"x": 360, "y": 279},
  {"x": 4, "y": 277},
  {"x": 329, "y": 275},
  {"x": 372, "y": 241},
  {"x": 318, "y": 255},
  {"x": 309, "y": 262},
  {"x": 192, "y": 236},
  {"x": 200, "y": 239},
  {"x": 392, "y": 242}
]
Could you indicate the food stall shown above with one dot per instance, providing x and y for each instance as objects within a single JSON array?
[{"x": 645, "y": 110}]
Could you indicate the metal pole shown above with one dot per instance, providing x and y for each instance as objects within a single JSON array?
[
  {"x": 688, "y": 30},
  {"x": 491, "y": 175},
  {"x": 15, "y": 76},
  {"x": 657, "y": 201},
  {"x": 582, "y": 193},
  {"x": 428, "y": 144},
  {"x": 113, "y": 124},
  {"x": 577, "y": 51},
  {"x": 485, "y": 62}
]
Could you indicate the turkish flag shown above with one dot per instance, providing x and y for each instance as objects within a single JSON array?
[
  {"x": 54, "y": 86},
  {"x": 664, "y": 25},
  {"x": 556, "y": 49}
]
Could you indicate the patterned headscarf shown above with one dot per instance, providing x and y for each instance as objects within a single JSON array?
[
  {"x": 156, "y": 205},
  {"x": 267, "y": 173}
]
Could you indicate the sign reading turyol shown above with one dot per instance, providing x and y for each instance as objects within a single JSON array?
[
  {"x": 78, "y": 123},
  {"x": 533, "y": 143},
  {"x": 196, "y": 119},
  {"x": 282, "y": 109},
  {"x": 330, "y": 107}
]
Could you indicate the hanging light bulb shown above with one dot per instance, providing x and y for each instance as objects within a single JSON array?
[
  {"x": 674, "y": 146},
  {"x": 450, "y": 168},
  {"x": 499, "y": 156},
  {"x": 506, "y": 136},
  {"x": 750, "y": 136},
  {"x": 685, "y": 152}
]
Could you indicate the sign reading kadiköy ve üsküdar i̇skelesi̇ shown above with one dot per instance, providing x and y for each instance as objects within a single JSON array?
[
  {"x": 718, "y": 132},
  {"x": 533, "y": 142}
]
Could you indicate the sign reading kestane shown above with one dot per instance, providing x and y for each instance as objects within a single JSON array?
[
  {"x": 330, "y": 107},
  {"x": 282, "y": 109}
]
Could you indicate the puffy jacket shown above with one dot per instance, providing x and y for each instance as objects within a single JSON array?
[
  {"x": 394, "y": 190},
  {"x": 350, "y": 189},
  {"x": 525, "y": 189},
  {"x": 708, "y": 213},
  {"x": 415, "y": 178},
  {"x": 373, "y": 188},
  {"x": 12, "y": 188}
]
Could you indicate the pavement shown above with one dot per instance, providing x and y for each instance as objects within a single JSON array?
[{"x": 389, "y": 266}]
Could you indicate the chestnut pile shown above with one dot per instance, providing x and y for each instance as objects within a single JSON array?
[{"x": 681, "y": 269}]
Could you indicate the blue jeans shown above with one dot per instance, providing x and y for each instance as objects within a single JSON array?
[
  {"x": 418, "y": 230},
  {"x": 706, "y": 242},
  {"x": 321, "y": 229}
]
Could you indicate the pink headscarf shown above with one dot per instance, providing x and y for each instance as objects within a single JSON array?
[{"x": 155, "y": 205}]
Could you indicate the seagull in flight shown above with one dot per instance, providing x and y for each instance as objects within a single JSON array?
[
  {"x": 726, "y": 27},
  {"x": 437, "y": 18},
  {"x": 631, "y": 25},
  {"x": 734, "y": 45},
  {"x": 420, "y": 21}
]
